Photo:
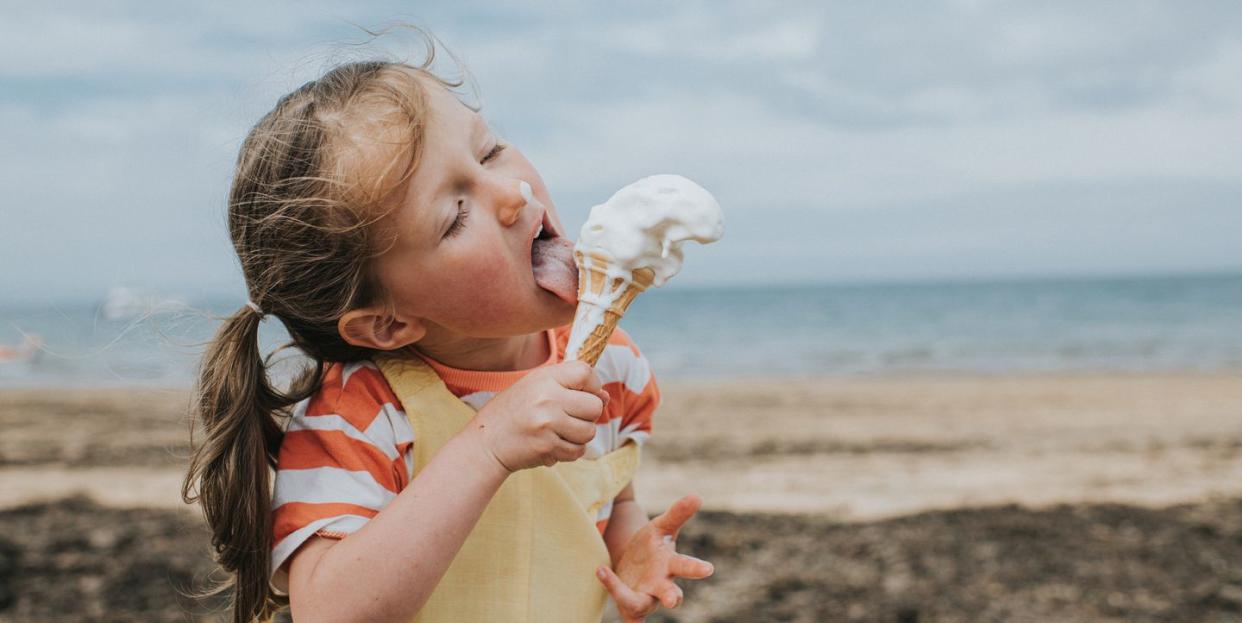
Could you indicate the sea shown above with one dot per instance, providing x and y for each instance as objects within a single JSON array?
[{"x": 1130, "y": 324}]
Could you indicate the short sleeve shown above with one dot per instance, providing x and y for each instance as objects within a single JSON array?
[
  {"x": 345, "y": 455},
  {"x": 627, "y": 376}
]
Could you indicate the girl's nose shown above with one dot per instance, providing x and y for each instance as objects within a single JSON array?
[{"x": 510, "y": 199}]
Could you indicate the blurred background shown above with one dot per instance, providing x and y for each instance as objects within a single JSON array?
[{"x": 969, "y": 349}]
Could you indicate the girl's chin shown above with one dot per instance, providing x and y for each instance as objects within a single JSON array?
[
  {"x": 553, "y": 312},
  {"x": 545, "y": 311},
  {"x": 560, "y": 315}
]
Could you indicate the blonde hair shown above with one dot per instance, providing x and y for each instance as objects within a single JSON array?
[{"x": 300, "y": 215}]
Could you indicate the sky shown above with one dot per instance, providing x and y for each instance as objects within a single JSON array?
[{"x": 845, "y": 141}]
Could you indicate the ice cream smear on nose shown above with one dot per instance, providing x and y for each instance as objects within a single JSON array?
[{"x": 630, "y": 242}]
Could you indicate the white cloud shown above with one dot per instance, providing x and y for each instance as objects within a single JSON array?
[
  {"x": 757, "y": 156},
  {"x": 1213, "y": 87},
  {"x": 123, "y": 120},
  {"x": 717, "y": 38}
]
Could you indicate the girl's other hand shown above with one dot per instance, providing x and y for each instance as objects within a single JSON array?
[
  {"x": 546, "y": 417},
  {"x": 643, "y": 580}
]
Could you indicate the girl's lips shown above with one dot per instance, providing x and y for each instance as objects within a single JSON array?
[
  {"x": 552, "y": 257},
  {"x": 549, "y": 224}
]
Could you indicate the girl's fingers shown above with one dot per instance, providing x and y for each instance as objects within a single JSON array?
[
  {"x": 671, "y": 596},
  {"x": 568, "y": 452},
  {"x": 580, "y": 376},
  {"x": 627, "y": 599},
  {"x": 593, "y": 385},
  {"x": 584, "y": 406},
  {"x": 671, "y": 521},
  {"x": 689, "y": 567},
  {"x": 574, "y": 374},
  {"x": 574, "y": 430}
]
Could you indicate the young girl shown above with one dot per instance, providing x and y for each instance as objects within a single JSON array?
[{"x": 439, "y": 462}]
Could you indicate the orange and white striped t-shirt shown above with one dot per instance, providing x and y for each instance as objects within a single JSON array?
[{"x": 347, "y": 450}]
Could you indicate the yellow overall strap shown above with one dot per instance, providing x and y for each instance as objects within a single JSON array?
[{"x": 533, "y": 553}]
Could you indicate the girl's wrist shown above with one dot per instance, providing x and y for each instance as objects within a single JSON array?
[{"x": 474, "y": 445}]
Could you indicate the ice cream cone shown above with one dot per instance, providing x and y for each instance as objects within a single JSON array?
[{"x": 603, "y": 297}]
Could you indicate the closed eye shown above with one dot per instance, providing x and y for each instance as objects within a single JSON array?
[
  {"x": 494, "y": 152},
  {"x": 462, "y": 211},
  {"x": 459, "y": 223}
]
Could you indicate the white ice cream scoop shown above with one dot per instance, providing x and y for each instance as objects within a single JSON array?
[{"x": 644, "y": 224}]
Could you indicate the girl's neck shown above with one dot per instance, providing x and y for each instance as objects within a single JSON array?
[{"x": 520, "y": 352}]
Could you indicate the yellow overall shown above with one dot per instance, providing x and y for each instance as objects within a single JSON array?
[{"x": 533, "y": 554}]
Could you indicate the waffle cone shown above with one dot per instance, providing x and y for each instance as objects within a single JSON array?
[{"x": 593, "y": 283}]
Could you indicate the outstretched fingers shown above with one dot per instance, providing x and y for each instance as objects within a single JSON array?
[
  {"x": 628, "y": 600},
  {"x": 671, "y": 596},
  {"x": 671, "y": 520},
  {"x": 689, "y": 567}
]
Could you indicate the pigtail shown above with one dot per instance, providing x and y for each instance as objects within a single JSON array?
[{"x": 238, "y": 415}]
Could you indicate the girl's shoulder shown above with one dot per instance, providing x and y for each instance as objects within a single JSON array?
[
  {"x": 345, "y": 455},
  {"x": 354, "y": 421},
  {"x": 355, "y": 391}
]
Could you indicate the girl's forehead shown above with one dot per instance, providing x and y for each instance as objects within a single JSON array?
[
  {"x": 442, "y": 100},
  {"x": 443, "y": 105},
  {"x": 453, "y": 126}
]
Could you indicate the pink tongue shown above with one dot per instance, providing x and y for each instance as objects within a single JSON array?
[{"x": 554, "y": 268}]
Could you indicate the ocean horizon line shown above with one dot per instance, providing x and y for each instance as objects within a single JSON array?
[
  {"x": 217, "y": 298},
  {"x": 1128, "y": 321},
  {"x": 983, "y": 279}
]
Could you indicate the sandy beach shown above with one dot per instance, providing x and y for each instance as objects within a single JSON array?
[{"x": 950, "y": 498}]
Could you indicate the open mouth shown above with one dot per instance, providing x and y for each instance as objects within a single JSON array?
[
  {"x": 552, "y": 262},
  {"x": 544, "y": 232}
]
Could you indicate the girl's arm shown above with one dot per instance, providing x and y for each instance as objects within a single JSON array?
[
  {"x": 627, "y": 517},
  {"x": 388, "y": 568}
]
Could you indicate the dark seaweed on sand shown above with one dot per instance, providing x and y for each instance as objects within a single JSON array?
[{"x": 73, "y": 560}]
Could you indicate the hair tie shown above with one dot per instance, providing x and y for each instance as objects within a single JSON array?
[{"x": 258, "y": 310}]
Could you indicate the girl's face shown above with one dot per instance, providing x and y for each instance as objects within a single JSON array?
[{"x": 461, "y": 262}]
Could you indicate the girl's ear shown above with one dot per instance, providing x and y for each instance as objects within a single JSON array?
[{"x": 377, "y": 328}]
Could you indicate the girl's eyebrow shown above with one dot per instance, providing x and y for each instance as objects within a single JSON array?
[{"x": 479, "y": 126}]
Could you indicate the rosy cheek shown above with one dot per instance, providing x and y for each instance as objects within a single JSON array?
[
  {"x": 485, "y": 264},
  {"x": 480, "y": 283}
]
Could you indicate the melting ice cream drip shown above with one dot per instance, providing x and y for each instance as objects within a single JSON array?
[
  {"x": 602, "y": 284},
  {"x": 604, "y": 291}
]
